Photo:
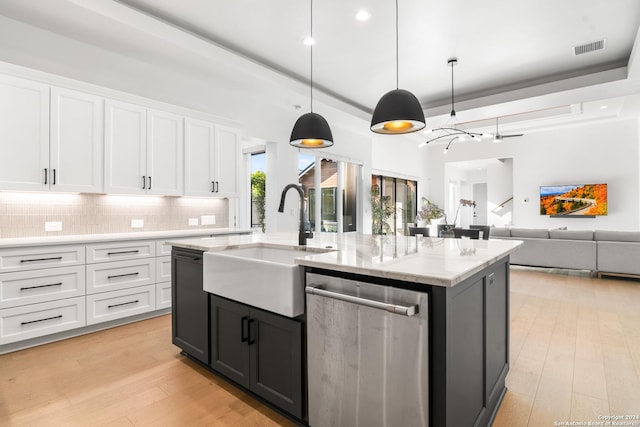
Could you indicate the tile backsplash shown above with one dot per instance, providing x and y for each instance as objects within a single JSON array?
[{"x": 25, "y": 214}]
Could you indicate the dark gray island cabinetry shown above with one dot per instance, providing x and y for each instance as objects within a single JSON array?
[
  {"x": 259, "y": 350},
  {"x": 439, "y": 359},
  {"x": 190, "y": 304}
]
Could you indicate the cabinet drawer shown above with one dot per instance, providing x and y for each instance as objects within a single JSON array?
[
  {"x": 163, "y": 269},
  {"x": 110, "y": 276},
  {"x": 118, "y": 304},
  {"x": 32, "y": 258},
  {"x": 162, "y": 248},
  {"x": 163, "y": 295},
  {"x": 113, "y": 251},
  {"x": 30, "y": 287},
  {"x": 35, "y": 320}
]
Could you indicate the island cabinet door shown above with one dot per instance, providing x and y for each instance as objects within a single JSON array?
[
  {"x": 190, "y": 305},
  {"x": 230, "y": 323},
  {"x": 497, "y": 324},
  {"x": 275, "y": 344}
]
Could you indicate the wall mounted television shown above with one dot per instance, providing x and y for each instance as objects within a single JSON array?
[{"x": 579, "y": 200}]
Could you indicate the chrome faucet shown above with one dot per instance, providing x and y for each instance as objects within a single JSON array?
[{"x": 302, "y": 234}]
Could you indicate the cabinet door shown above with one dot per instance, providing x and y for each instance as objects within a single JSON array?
[
  {"x": 125, "y": 148},
  {"x": 76, "y": 141},
  {"x": 199, "y": 158},
  {"x": 497, "y": 324},
  {"x": 165, "y": 149},
  {"x": 24, "y": 134},
  {"x": 276, "y": 360},
  {"x": 227, "y": 161},
  {"x": 190, "y": 305},
  {"x": 230, "y": 324}
]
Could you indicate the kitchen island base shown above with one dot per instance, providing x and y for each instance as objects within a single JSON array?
[{"x": 468, "y": 345}]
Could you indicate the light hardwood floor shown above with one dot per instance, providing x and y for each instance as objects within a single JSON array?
[{"x": 575, "y": 355}]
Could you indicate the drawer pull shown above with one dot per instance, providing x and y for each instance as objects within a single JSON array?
[
  {"x": 123, "y": 275},
  {"x": 41, "y": 286},
  {"x": 123, "y": 252},
  {"x": 187, "y": 258},
  {"x": 123, "y": 303},
  {"x": 41, "y": 259},
  {"x": 59, "y": 316}
]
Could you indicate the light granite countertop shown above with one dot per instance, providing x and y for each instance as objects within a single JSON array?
[
  {"x": 112, "y": 237},
  {"x": 433, "y": 261}
]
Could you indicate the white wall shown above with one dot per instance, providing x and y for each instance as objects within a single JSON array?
[
  {"x": 499, "y": 190},
  {"x": 596, "y": 152}
]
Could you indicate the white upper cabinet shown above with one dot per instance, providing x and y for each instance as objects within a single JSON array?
[
  {"x": 165, "y": 151},
  {"x": 125, "y": 148},
  {"x": 76, "y": 142},
  {"x": 24, "y": 134},
  {"x": 200, "y": 156},
  {"x": 144, "y": 150},
  {"x": 227, "y": 161},
  {"x": 211, "y": 159}
]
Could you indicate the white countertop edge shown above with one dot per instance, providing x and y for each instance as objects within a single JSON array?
[
  {"x": 435, "y": 280},
  {"x": 14, "y": 242},
  {"x": 387, "y": 272}
]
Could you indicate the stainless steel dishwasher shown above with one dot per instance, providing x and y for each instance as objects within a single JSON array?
[{"x": 367, "y": 352}]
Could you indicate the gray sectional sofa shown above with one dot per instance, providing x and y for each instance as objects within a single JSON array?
[{"x": 600, "y": 251}]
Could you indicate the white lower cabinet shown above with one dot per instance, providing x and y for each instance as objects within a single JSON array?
[
  {"x": 118, "y": 304},
  {"x": 32, "y": 258},
  {"x": 36, "y": 320},
  {"x": 163, "y": 295},
  {"x": 47, "y": 284},
  {"x": 50, "y": 289},
  {"x": 110, "y": 276}
]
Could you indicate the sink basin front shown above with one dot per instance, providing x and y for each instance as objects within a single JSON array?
[{"x": 263, "y": 277}]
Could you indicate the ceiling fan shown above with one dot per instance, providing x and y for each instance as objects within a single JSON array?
[{"x": 498, "y": 137}]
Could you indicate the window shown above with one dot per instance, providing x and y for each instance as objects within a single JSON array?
[
  {"x": 396, "y": 204},
  {"x": 258, "y": 190},
  {"x": 338, "y": 183}
]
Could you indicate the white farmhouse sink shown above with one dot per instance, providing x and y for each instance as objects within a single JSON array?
[{"x": 264, "y": 277}]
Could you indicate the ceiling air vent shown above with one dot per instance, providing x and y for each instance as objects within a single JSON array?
[{"x": 588, "y": 47}]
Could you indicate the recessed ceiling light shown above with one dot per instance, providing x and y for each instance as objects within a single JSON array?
[
  {"x": 604, "y": 107},
  {"x": 308, "y": 41},
  {"x": 363, "y": 15}
]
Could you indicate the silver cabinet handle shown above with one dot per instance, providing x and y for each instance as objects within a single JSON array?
[{"x": 392, "y": 308}]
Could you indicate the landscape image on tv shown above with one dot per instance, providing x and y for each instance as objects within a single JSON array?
[{"x": 585, "y": 199}]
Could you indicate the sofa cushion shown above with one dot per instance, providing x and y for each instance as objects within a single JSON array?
[
  {"x": 571, "y": 234},
  {"x": 499, "y": 232},
  {"x": 556, "y": 253},
  {"x": 617, "y": 236},
  {"x": 537, "y": 233}
]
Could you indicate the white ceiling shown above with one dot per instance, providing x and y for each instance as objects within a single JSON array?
[{"x": 514, "y": 56}]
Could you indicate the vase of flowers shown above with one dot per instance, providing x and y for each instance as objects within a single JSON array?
[
  {"x": 428, "y": 212},
  {"x": 463, "y": 202}
]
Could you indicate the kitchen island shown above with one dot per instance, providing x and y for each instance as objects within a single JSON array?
[{"x": 458, "y": 379}]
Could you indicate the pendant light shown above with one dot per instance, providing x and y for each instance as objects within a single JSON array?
[
  {"x": 311, "y": 129},
  {"x": 398, "y": 111}
]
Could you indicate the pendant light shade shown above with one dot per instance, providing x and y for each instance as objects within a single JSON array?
[
  {"x": 311, "y": 131},
  {"x": 397, "y": 112}
]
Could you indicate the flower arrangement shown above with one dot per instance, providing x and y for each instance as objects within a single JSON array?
[
  {"x": 463, "y": 202},
  {"x": 429, "y": 211}
]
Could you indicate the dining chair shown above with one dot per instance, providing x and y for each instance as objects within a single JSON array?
[
  {"x": 466, "y": 232},
  {"x": 484, "y": 228},
  {"x": 419, "y": 230}
]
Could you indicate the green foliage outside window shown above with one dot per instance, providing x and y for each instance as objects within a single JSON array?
[{"x": 258, "y": 193}]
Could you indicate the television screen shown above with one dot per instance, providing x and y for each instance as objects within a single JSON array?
[{"x": 582, "y": 199}]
